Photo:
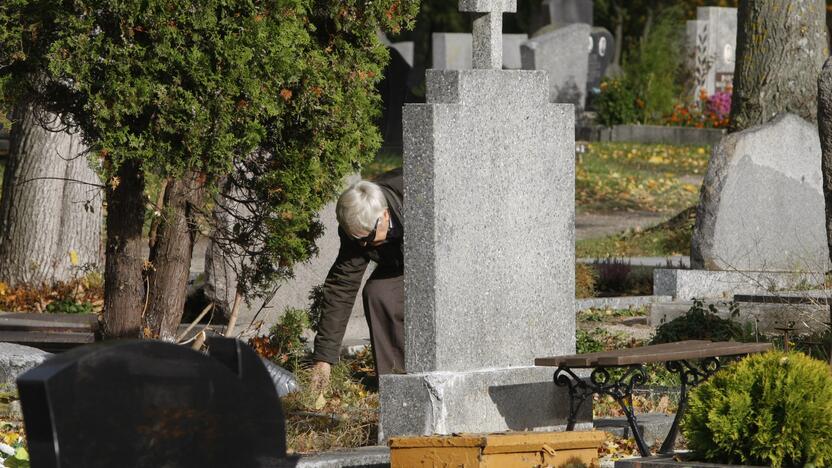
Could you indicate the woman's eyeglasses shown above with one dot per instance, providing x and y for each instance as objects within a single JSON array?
[{"x": 371, "y": 237}]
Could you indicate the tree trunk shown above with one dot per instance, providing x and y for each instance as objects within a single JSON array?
[
  {"x": 825, "y": 130},
  {"x": 50, "y": 214},
  {"x": 124, "y": 289},
  {"x": 170, "y": 256},
  {"x": 781, "y": 47}
]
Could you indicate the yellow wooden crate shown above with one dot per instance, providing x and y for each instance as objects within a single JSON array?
[{"x": 505, "y": 450}]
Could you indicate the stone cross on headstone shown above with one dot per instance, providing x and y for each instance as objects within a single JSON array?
[{"x": 488, "y": 30}]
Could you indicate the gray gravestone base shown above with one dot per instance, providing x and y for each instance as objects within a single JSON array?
[
  {"x": 515, "y": 399},
  {"x": 764, "y": 318},
  {"x": 666, "y": 461},
  {"x": 688, "y": 284}
]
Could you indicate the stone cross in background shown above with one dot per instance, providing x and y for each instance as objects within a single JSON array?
[{"x": 488, "y": 30}]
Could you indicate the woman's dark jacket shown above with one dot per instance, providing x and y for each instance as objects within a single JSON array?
[{"x": 344, "y": 278}]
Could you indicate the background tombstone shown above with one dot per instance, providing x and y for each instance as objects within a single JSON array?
[
  {"x": 563, "y": 53},
  {"x": 453, "y": 51},
  {"x": 394, "y": 90},
  {"x": 600, "y": 57},
  {"x": 712, "y": 45},
  {"x": 480, "y": 304},
  {"x": 563, "y": 12},
  {"x": 149, "y": 403}
]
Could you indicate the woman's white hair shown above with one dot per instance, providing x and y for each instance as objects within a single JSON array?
[{"x": 359, "y": 207}]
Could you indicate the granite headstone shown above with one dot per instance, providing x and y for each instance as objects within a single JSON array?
[
  {"x": 151, "y": 404},
  {"x": 600, "y": 56},
  {"x": 394, "y": 91},
  {"x": 761, "y": 207},
  {"x": 712, "y": 45},
  {"x": 479, "y": 305},
  {"x": 563, "y": 53},
  {"x": 563, "y": 12}
]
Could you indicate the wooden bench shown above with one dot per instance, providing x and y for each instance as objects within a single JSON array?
[{"x": 693, "y": 361}]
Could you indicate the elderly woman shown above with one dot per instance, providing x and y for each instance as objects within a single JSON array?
[{"x": 370, "y": 226}]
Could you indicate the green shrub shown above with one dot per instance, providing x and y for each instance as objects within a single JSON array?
[
  {"x": 700, "y": 323},
  {"x": 616, "y": 104},
  {"x": 773, "y": 409},
  {"x": 286, "y": 338},
  {"x": 69, "y": 306}
]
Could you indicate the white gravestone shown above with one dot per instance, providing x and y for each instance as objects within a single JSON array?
[
  {"x": 454, "y": 51},
  {"x": 489, "y": 250},
  {"x": 712, "y": 45}
]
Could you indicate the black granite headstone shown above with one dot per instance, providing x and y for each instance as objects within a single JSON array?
[
  {"x": 394, "y": 89},
  {"x": 153, "y": 404},
  {"x": 600, "y": 57},
  {"x": 563, "y": 12}
]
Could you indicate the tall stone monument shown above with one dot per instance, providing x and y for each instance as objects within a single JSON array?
[{"x": 489, "y": 248}]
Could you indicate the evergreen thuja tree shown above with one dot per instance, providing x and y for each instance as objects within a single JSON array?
[{"x": 190, "y": 91}]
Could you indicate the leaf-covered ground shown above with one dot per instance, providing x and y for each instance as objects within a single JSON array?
[{"x": 621, "y": 177}]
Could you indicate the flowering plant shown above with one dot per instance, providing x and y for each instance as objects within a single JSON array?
[{"x": 712, "y": 111}]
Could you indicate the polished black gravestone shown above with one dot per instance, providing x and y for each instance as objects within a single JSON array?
[{"x": 153, "y": 404}]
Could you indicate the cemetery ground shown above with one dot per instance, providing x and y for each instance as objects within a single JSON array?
[{"x": 643, "y": 196}]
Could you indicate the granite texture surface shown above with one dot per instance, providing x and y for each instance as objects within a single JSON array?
[
  {"x": 689, "y": 284},
  {"x": 764, "y": 318},
  {"x": 518, "y": 399},
  {"x": 563, "y": 54},
  {"x": 362, "y": 457},
  {"x": 16, "y": 359},
  {"x": 488, "y": 30},
  {"x": 489, "y": 198},
  {"x": 761, "y": 206}
]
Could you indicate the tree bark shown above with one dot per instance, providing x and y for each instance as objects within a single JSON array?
[
  {"x": 124, "y": 289},
  {"x": 825, "y": 131},
  {"x": 171, "y": 254},
  {"x": 50, "y": 213},
  {"x": 781, "y": 47}
]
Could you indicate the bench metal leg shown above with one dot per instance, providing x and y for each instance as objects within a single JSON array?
[
  {"x": 690, "y": 375},
  {"x": 621, "y": 390},
  {"x": 579, "y": 391}
]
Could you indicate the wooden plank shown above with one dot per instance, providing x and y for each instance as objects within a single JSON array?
[
  {"x": 717, "y": 349},
  {"x": 90, "y": 319},
  {"x": 590, "y": 359},
  {"x": 24, "y": 337}
]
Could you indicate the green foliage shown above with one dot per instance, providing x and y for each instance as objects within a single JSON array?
[
  {"x": 598, "y": 339},
  {"x": 316, "y": 307},
  {"x": 286, "y": 338},
  {"x": 617, "y": 103},
  {"x": 700, "y": 323},
  {"x": 773, "y": 409},
  {"x": 282, "y": 91},
  {"x": 69, "y": 306},
  {"x": 652, "y": 71}
]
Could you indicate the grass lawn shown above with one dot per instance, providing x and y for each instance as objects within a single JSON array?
[
  {"x": 615, "y": 177},
  {"x": 669, "y": 238}
]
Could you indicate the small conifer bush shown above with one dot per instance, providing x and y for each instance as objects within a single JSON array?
[{"x": 772, "y": 409}]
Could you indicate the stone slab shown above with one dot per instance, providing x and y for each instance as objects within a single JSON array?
[
  {"x": 712, "y": 44},
  {"x": 761, "y": 207},
  {"x": 476, "y": 295},
  {"x": 619, "y": 302},
  {"x": 689, "y": 284},
  {"x": 653, "y": 134},
  {"x": 517, "y": 399},
  {"x": 652, "y": 426},
  {"x": 563, "y": 54},
  {"x": 363, "y": 457},
  {"x": 765, "y": 318},
  {"x": 563, "y": 12},
  {"x": 16, "y": 359}
]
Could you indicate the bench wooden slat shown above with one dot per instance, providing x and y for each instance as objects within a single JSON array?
[
  {"x": 590, "y": 359},
  {"x": 707, "y": 350}
]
